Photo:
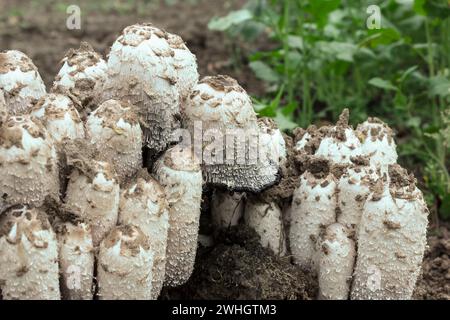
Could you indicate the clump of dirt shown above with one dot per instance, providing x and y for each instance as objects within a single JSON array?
[
  {"x": 237, "y": 267},
  {"x": 434, "y": 283}
]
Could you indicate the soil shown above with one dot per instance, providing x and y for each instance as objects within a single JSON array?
[
  {"x": 435, "y": 280},
  {"x": 237, "y": 267},
  {"x": 234, "y": 266},
  {"x": 41, "y": 33}
]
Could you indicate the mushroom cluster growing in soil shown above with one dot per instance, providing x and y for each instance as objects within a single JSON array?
[{"x": 103, "y": 178}]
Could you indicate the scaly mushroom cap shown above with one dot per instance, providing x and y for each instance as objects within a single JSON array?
[
  {"x": 144, "y": 204},
  {"x": 76, "y": 260},
  {"x": 354, "y": 187},
  {"x": 179, "y": 173},
  {"x": 154, "y": 92},
  {"x": 60, "y": 117},
  {"x": 20, "y": 81},
  {"x": 28, "y": 163},
  {"x": 391, "y": 239},
  {"x": 125, "y": 265},
  {"x": 219, "y": 102},
  {"x": 336, "y": 260},
  {"x": 82, "y": 72},
  {"x": 340, "y": 143},
  {"x": 235, "y": 158},
  {"x": 114, "y": 131},
  {"x": 93, "y": 195},
  {"x": 377, "y": 141},
  {"x": 185, "y": 64},
  {"x": 28, "y": 256},
  {"x": 313, "y": 207}
]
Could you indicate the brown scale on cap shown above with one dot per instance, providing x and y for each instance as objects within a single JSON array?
[
  {"x": 28, "y": 220},
  {"x": 222, "y": 83},
  {"x": 131, "y": 240}
]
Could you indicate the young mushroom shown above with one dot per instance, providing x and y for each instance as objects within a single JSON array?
[
  {"x": 178, "y": 172},
  {"x": 267, "y": 220},
  {"x": 28, "y": 256},
  {"x": 93, "y": 195},
  {"x": 143, "y": 204},
  {"x": 58, "y": 114},
  {"x": 313, "y": 208},
  {"x": 113, "y": 130},
  {"x": 83, "y": 72},
  {"x": 185, "y": 65},
  {"x": 125, "y": 264},
  {"x": 220, "y": 110},
  {"x": 28, "y": 163},
  {"x": 336, "y": 259},
  {"x": 20, "y": 82},
  {"x": 76, "y": 260},
  {"x": 378, "y": 143},
  {"x": 141, "y": 72},
  {"x": 391, "y": 239}
]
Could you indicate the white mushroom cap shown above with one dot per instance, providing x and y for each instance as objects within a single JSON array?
[
  {"x": 28, "y": 256},
  {"x": 336, "y": 260},
  {"x": 378, "y": 143},
  {"x": 28, "y": 163},
  {"x": 125, "y": 265},
  {"x": 313, "y": 207},
  {"x": 220, "y": 102},
  {"x": 391, "y": 239},
  {"x": 114, "y": 131},
  {"x": 93, "y": 194},
  {"x": 154, "y": 92},
  {"x": 20, "y": 81},
  {"x": 144, "y": 204},
  {"x": 267, "y": 220},
  {"x": 76, "y": 260},
  {"x": 82, "y": 71},
  {"x": 185, "y": 64},
  {"x": 60, "y": 117},
  {"x": 340, "y": 143},
  {"x": 180, "y": 175},
  {"x": 354, "y": 188}
]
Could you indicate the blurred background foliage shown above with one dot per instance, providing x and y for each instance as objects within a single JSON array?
[{"x": 320, "y": 56}]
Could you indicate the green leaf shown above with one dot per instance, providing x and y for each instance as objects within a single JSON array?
[
  {"x": 320, "y": 9},
  {"x": 382, "y": 84},
  {"x": 439, "y": 86},
  {"x": 283, "y": 122},
  {"x": 232, "y": 19},
  {"x": 263, "y": 71},
  {"x": 382, "y": 36},
  {"x": 418, "y": 7},
  {"x": 407, "y": 73},
  {"x": 341, "y": 50},
  {"x": 295, "y": 42}
]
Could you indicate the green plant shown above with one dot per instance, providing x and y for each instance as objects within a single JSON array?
[{"x": 323, "y": 58}]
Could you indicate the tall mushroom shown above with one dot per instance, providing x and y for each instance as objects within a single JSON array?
[
  {"x": 20, "y": 82},
  {"x": 113, "y": 130},
  {"x": 178, "y": 172},
  {"x": 28, "y": 256},
  {"x": 153, "y": 91},
  {"x": 143, "y": 204},
  {"x": 28, "y": 163}
]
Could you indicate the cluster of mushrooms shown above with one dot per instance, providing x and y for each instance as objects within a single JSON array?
[{"x": 101, "y": 180}]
